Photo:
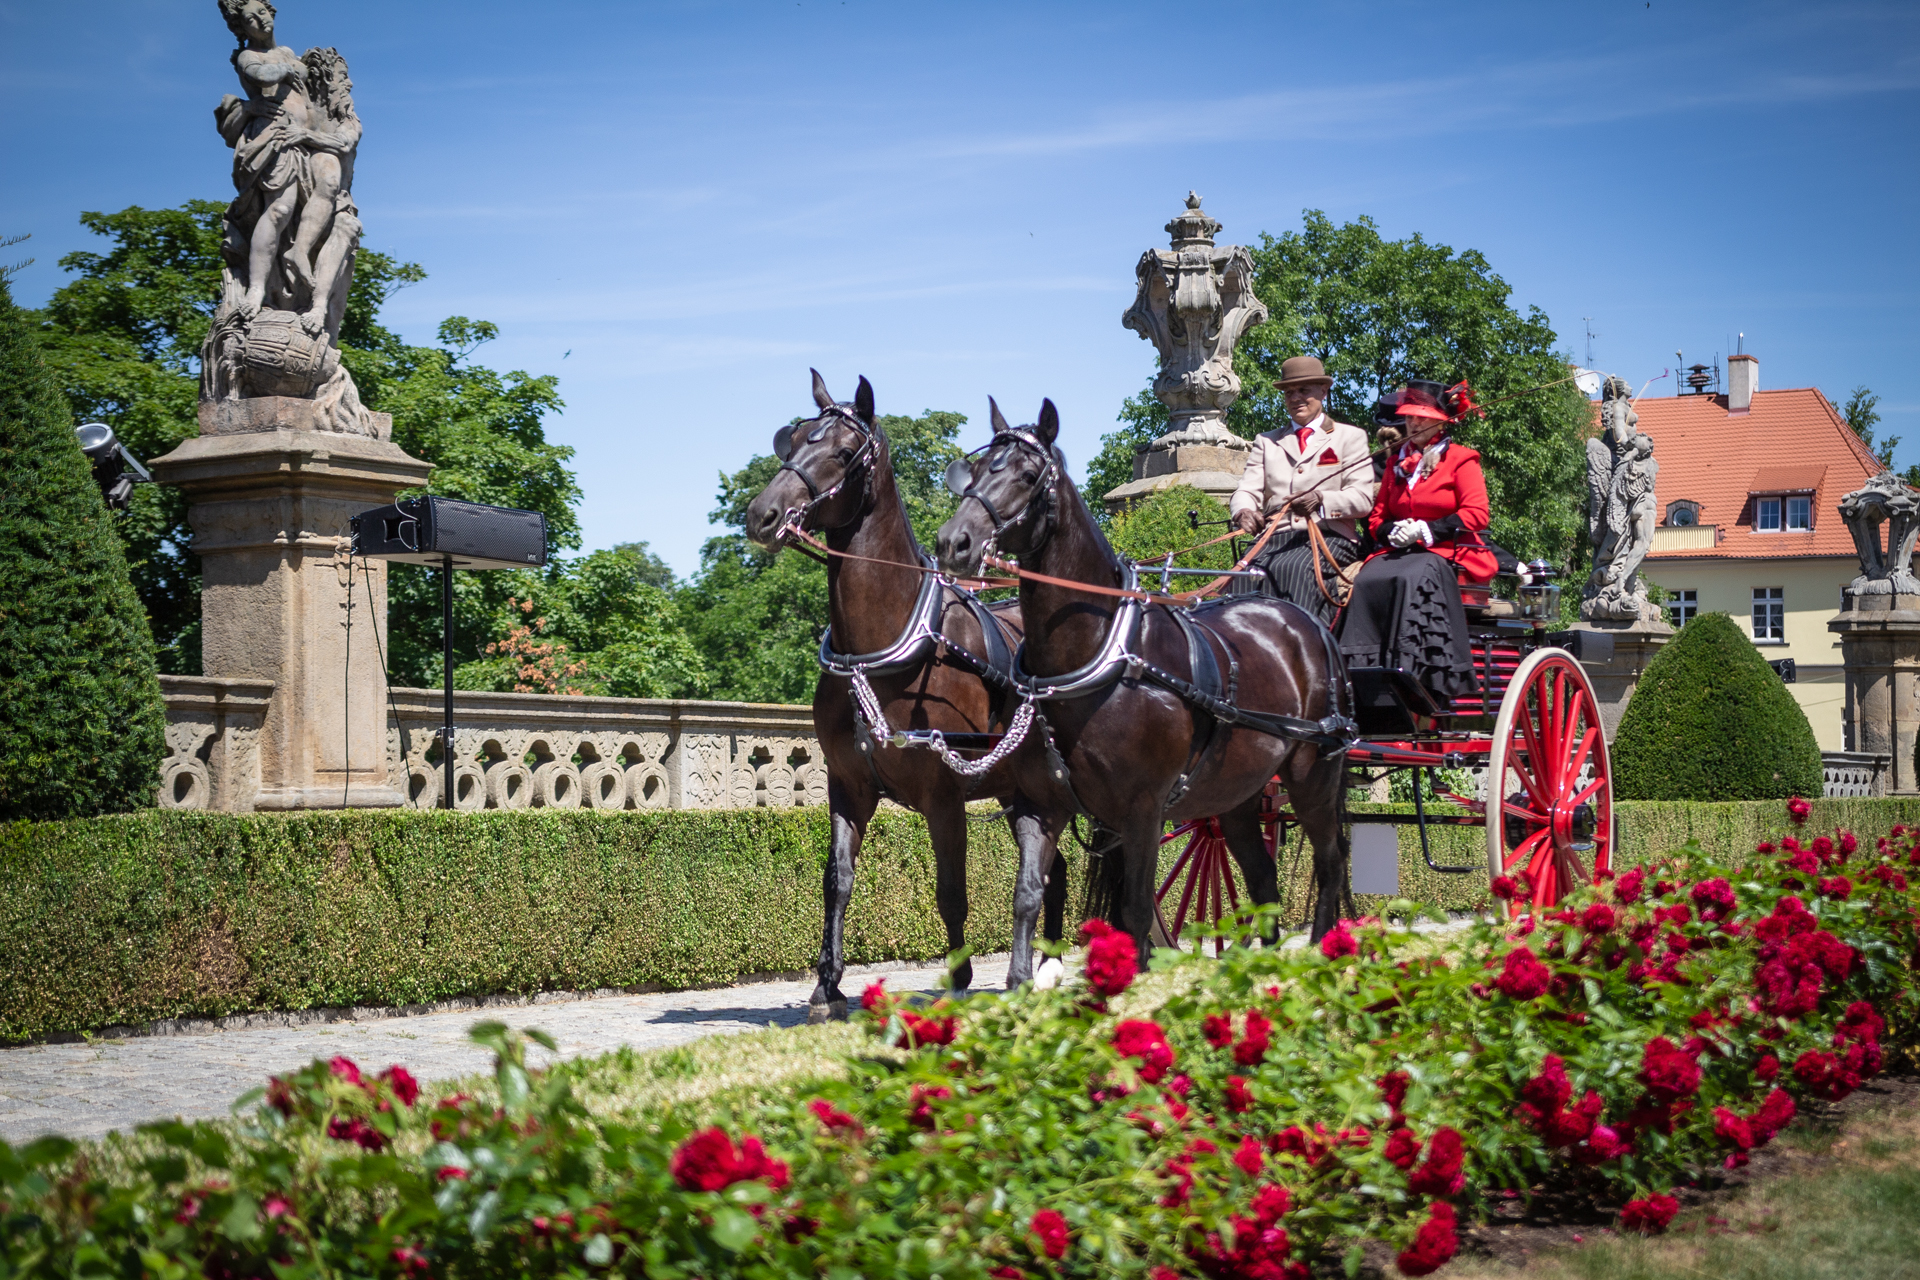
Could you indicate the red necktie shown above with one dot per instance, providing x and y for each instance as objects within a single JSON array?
[
  {"x": 1409, "y": 463},
  {"x": 1300, "y": 438}
]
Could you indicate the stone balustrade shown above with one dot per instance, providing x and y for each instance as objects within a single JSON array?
[
  {"x": 1854, "y": 773},
  {"x": 519, "y": 750}
]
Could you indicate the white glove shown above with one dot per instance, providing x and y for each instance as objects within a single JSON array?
[{"x": 1407, "y": 532}]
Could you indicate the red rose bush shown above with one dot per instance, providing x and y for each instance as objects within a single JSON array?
[{"x": 1259, "y": 1115}]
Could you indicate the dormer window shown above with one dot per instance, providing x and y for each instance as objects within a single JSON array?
[
  {"x": 1683, "y": 514},
  {"x": 1791, "y": 513}
]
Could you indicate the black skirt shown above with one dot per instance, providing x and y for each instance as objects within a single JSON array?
[
  {"x": 1293, "y": 573},
  {"x": 1406, "y": 612}
]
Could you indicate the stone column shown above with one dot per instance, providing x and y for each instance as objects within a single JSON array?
[
  {"x": 1194, "y": 301},
  {"x": 1879, "y": 628},
  {"x": 270, "y": 489},
  {"x": 1635, "y": 641}
]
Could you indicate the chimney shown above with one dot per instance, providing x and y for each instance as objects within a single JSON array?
[{"x": 1743, "y": 379}]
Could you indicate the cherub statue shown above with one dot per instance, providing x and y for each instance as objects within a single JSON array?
[{"x": 1621, "y": 508}]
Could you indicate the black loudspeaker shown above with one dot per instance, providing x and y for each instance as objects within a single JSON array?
[{"x": 429, "y": 530}]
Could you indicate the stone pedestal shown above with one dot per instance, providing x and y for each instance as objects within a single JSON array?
[
  {"x": 269, "y": 498},
  {"x": 1634, "y": 644},
  {"x": 1213, "y": 468},
  {"x": 1880, "y": 645}
]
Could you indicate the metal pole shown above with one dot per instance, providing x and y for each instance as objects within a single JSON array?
[{"x": 446, "y": 673}]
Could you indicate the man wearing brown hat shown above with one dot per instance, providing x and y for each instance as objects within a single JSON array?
[{"x": 1314, "y": 469}]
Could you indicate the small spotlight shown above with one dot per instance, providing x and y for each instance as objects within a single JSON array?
[{"x": 114, "y": 469}]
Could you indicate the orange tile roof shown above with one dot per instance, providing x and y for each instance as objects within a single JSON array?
[{"x": 1792, "y": 437}]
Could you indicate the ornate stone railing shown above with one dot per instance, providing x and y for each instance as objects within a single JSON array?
[
  {"x": 518, "y": 750},
  {"x": 213, "y": 742},
  {"x": 522, "y": 750},
  {"x": 1854, "y": 773}
]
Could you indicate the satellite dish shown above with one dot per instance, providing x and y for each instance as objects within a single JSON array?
[{"x": 1588, "y": 380}]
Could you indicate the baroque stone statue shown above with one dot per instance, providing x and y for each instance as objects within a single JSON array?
[
  {"x": 292, "y": 229},
  {"x": 1883, "y": 571},
  {"x": 1621, "y": 510},
  {"x": 1194, "y": 302}
]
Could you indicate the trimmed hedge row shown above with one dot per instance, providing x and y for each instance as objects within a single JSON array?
[{"x": 126, "y": 920}]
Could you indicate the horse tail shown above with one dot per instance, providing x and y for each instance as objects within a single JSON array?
[{"x": 1106, "y": 873}]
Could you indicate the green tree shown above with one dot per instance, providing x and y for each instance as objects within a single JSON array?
[
  {"x": 1710, "y": 720},
  {"x": 82, "y": 728},
  {"x": 757, "y": 618},
  {"x": 124, "y": 338},
  {"x": 623, "y": 632},
  {"x": 1161, "y": 524},
  {"x": 1862, "y": 413},
  {"x": 1378, "y": 312}
]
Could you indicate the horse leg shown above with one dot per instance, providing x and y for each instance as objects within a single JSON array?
[
  {"x": 1139, "y": 850},
  {"x": 849, "y": 815},
  {"x": 947, "y": 825},
  {"x": 1316, "y": 795},
  {"x": 1054, "y": 902},
  {"x": 1033, "y": 885},
  {"x": 1241, "y": 826}
]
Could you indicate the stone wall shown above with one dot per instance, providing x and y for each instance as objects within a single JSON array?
[{"x": 518, "y": 750}]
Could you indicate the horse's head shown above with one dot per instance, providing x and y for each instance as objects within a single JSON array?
[
  {"x": 1007, "y": 491},
  {"x": 818, "y": 456}
]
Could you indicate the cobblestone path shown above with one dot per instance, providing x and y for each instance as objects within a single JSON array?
[{"x": 84, "y": 1090}]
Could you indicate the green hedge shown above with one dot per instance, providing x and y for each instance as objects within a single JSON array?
[{"x": 125, "y": 920}]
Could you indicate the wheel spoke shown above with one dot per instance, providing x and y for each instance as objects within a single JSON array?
[
  {"x": 1581, "y": 755},
  {"x": 1587, "y": 793},
  {"x": 1521, "y": 851},
  {"x": 1537, "y": 761},
  {"x": 1186, "y": 856}
]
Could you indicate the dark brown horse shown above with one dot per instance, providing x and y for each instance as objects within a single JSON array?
[
  {"x": 902, "y": 643},
  {"x": 1161, "y": 713}
]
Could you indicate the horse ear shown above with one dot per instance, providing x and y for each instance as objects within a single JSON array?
[
  {"x": 822, "y": 398},
  {"x": 998, "y": 419},
  {"x": 863, "y": 400},
  {"x": 1049, "y": 425}
]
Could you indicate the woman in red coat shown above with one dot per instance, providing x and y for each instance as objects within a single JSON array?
[{"x": 1405, "y": 610}]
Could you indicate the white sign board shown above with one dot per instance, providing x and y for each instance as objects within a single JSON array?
[{"x": 1376, "y": 858}]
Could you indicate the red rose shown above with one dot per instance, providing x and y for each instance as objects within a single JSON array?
[
  {"x": 1339, "y": 942},
  {"x": 1798, "y": 809},
  {"x": 925, "y": 1031},
  {"x": 834, "y": 1119},
  {"x": 1270, "y": 1204},
  {"x": 1443, "y": 1172},
  {"x": 1668, "y": 1073},
  {"x": 1393, "y": 1089},
  {"x": 1136, "y": 1038},
  {"x": 1627, "y": 888},
  {"x": 1603, "y": 1144},
  {"x": 1774, "y": 1115},
  {"x": 1651, "y": 1215},
  {"x": 708, "y": 1161},
  {"x": 921, "y": 1098},
  {"x": 1836, "y": 887},
  {"x": 1822, "y": 848},
  {"x": 1848, "y": 844},
  {"x": 1239, "y": 1097},
  {"x": 1767, "y": 1068},
  {"x": 1252, "y": 1049},
  {"x": 1403, "y": 1149},
  {"x": 1218, "y": 1029},
  {"x": 1523, "y": 977},
  {"x": 401, "y": 1081},
  {"x": 343, "y": 1067},
  {"x": 1732, "y": 1128},
  {"x": 1547, "y": 1092},
  {"x": 1433, "y": 1245},
  {"x": 451, "y": 1172},
  {"x": 1714, "y": 898},
  {"x": 1248, "y": 1157},
  {"x": 1503, "y": 888},
  {"x": 1821, "y": 1073},
  {"x": 1051, "y": 1228},
  {"x": 1112, "y": 958},
  {"x": 875, "y": 997},
  {"x": 1598, "y": 918}
]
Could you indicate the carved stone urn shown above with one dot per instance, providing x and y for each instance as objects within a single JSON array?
[{"x": 1194, "y": 300}]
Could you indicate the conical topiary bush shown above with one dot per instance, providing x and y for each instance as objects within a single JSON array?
[
  {"x": 82, "y": 726},
  {"x": 1711, "y": 721}
]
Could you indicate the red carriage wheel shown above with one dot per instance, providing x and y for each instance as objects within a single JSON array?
[
  {"x": 1204, "y": 881},
  {"x": 1548, "y": 768}
]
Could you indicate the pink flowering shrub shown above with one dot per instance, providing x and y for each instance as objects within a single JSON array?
[{"x": 1259, "y": 1117}]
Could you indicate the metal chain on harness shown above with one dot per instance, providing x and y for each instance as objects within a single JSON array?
[{"x": 866, "y": 706}]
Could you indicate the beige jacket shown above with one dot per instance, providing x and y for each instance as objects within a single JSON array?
[{"x": 1278, "y": 467}]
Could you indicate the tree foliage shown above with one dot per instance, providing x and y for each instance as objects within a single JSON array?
[
  {"x": 1710, "y": 720},
  {"x": 124, "y": 335},
  {"x": 82, "y": 728},
  {"x": 1161, "y": 524},
  {"x": 1378, "y": 312}
]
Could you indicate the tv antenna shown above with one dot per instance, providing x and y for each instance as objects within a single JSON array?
[{"x": 1591, "y": 335}]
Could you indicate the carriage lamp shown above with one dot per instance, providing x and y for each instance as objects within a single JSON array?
[
  {"x": 1540, "y": 593},
  {"x": 114, "y": 469}
]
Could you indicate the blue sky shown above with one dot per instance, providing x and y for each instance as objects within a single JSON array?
[{"x": 698, "y": 201}]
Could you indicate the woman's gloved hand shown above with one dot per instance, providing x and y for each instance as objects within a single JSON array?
[{"x": 1406, "y": 533}]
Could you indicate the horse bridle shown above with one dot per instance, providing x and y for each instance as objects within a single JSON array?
[
  {"x": 960, "y": 483},
  {"x": 784, "y": 448}
]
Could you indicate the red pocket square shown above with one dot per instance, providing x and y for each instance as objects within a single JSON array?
[{"x": 1329, "y": 458}]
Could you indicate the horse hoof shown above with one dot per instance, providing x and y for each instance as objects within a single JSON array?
[
  {"x": 1049, "y": 974},
  {"x": 831, "y": 1011}
]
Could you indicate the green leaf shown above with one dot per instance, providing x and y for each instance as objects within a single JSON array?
[
  {"x": 732, "y": 1229},
  {"x": 598, "y": 1251},
  {"x": 242, "y": 1221},
  {"x": 1352, "y": 1262}
]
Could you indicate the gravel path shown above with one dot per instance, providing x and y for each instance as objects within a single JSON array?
[{"x": 84, "y": 1090}]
